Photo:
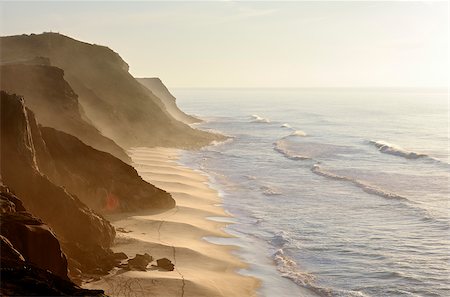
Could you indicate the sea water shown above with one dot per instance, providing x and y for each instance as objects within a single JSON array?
[{"x": 338, "y": 192}]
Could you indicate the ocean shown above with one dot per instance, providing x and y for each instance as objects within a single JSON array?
[{"x": 334, "y": 192}]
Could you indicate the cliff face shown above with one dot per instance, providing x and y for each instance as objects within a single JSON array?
[
  {"x": 54, "y": 102},
  {"x": 156, "y": 86},
  {"x": 102, "y": 182},
  {"x": 32, "y": 239},
  {"x": 31, "y": 256},
  {"x": 76, "y": 226},
  {"x": 120, "y": 107}
]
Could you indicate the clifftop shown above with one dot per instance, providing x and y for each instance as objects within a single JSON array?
[{"x": 107, "y": 92}]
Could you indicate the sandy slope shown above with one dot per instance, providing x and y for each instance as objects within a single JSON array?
[{"x": 202, "y": 268}]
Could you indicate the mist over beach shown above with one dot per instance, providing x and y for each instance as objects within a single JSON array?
[{"x": 224, "y": 148}]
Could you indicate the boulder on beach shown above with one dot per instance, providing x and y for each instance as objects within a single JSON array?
[
  {"x": 140, "y": 262},
  {"x": 165, "y": 264}
]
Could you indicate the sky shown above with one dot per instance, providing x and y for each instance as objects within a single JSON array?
[{"x": 257, "y": 44}]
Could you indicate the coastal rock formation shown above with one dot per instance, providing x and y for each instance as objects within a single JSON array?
[
  {"x": 53, "y": 102},
  {"x": 30, "y": 237},
  {"x": 165, "y": 264},
  {"x": 108, "y": 93},
  {"x": 25, "y": 279},
  {"x": 139, "y": 262},
  {"x": 76, "y": 226},
  {"x": 156, "y": 86},
  {"x": 31, "y": 257},
  {"x": 101, "y": 181}
]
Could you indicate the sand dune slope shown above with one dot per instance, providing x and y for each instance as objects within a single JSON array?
[{"x": 202, "y": 268}]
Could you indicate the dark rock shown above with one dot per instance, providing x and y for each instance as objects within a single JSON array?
[
  {"x": 120, "y": 256},
  {"x": 8, "y": 251},
  {"x": 72, "y": 221},
  {"x": 140, "y": 262},
  {"x": 25, "y": 279},
  {"x": 32, "y": 263},
  {"x": 34, "y": 241},
  {"x": 31, "y": 238},
  {"x": 9, "y": 202},
  {"x": 165, "y": 264}
]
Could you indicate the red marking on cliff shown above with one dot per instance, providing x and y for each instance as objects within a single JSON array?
[{"x": 112, "y": 202}]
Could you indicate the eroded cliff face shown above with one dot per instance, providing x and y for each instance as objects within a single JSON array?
[
  {"x": 67, "y": 183},
  {"x": 156, "y": 86},
  {"x": 31, "y": 256},
  {"x": 31, "y": 238},
  {"x": 120, "y": 107},
  {"x": 76, "y": 226},
  {"x": 54, "y": 102},
  {"x": 102, "y": 182}
]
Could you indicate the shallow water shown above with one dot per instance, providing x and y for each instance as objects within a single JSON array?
[{"x": 343, "y": 192}]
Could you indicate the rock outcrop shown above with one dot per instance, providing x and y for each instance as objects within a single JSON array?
[
  {"x": 76, "y": 226},
  {"x": 54, "y": 102},
  {"x": 119, "y": 106},
  {"x": 139, "y": 262},
  {"x": 31, "y": 238},
  {"x": 156, "y": 86},
  {"x": 165, "y": 264},
  {"x": 32, "y": 262}
]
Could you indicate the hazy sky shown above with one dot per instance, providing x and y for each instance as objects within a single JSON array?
[{"x": 257, "y": 44}]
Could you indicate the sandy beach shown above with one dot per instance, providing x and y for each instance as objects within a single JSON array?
[{"x": 201, "y": 268}]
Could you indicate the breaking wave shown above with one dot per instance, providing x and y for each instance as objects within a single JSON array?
[
  {"x": 282, "y": 148},
  {"x": 396, "y": 150},
  {"x": 364, "y": 186},
  {"x": 298, "y": 133},
  {"x": 286, "y": 125},
  {"x": 392, "y": 149},
  {"x": 259, "y": 119},
  {"x": 290, "y": 270}
]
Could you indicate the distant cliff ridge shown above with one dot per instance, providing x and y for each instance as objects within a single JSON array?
[
  {"x": 69, "y": 110},
  {"x": 156, "y": 86},
  {"x": 54, "y": 102},
  {"x": 116, "y": 103}
]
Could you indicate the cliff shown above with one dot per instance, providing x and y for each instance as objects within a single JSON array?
[
  {"x": 77, "y": 227},
  {"x": 62, "y": 181},
  {"x": 31, "y": 256},
  {"x": 119, "y": 106},
  {"x": 102, "y": 182},
  {"x": 156, "y": 86},
  {"x": 54, "y": 102},
  {"x": 35, "y": 242}
]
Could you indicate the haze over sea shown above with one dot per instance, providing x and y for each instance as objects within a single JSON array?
[{"x": 341, "y": 191}]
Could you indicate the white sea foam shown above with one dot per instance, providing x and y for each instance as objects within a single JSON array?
[
  {"x": 286, "y": 125},
  {"x": 259, "y": 119},
  {"x": 282, "y": 147},
  {"x": 298, "y": 133},
  {"x": 222, "y": 142},
  {"x": 289, "y": 269}
]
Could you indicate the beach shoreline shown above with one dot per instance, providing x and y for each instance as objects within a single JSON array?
[{"x": 202, "y": 268}]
